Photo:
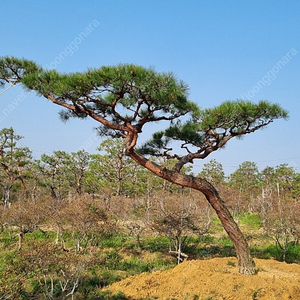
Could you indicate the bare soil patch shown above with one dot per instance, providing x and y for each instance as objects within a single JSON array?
[{"x": 215, "y": 279}]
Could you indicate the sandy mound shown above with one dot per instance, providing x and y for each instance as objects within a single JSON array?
[{"x": 215, "y": 279}]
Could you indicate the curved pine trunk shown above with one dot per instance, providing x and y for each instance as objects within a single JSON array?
[{"x": 246, "y": 264}]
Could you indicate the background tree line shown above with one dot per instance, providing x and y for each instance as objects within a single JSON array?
[
  {"x": 128, "y": 192},
  {"x": 62, "y": 174},
  {"x": 78, "y": 201}
]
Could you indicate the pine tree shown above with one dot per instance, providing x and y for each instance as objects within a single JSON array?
[{"x": 128, "y": 100}]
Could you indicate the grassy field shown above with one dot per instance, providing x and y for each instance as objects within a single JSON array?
[{"x": 43, "y": 269}]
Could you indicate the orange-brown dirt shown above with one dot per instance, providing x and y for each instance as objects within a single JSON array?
[{"x": 214, "y": 279}]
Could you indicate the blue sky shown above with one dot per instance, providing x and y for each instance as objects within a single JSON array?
[{"x": 223, "y": 50}]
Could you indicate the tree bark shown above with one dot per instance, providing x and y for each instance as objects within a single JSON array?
[{"x": 246, "y": 264}]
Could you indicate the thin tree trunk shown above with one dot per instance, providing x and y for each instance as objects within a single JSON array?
[
  {"x": 6, "y": 195},
  {"x": 21, "y": 236},
  {"x": 246, "y": 264}
]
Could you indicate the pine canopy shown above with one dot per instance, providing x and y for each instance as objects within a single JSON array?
[{"x": 125, "y": 97}]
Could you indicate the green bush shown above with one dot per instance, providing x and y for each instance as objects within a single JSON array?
[
  {"x": 252, "y": 221},
  {"x": 292, "y": 253}
]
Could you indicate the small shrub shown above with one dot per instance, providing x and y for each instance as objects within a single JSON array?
[
  {"x": 231, "y": 263},
  {"x": 292, "y": 253},
  {"x": 252, "y": 221}
]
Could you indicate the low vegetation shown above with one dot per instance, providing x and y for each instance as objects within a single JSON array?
[{"x": 66, "y": 233}]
